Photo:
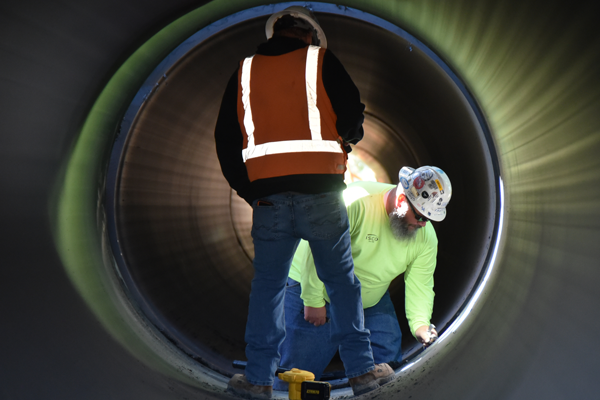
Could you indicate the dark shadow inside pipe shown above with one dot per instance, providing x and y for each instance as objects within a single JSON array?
[{"x": 184, "y": 236}]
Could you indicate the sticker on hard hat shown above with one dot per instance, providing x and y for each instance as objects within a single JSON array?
[
  {"x": 414, "y": 192},
  {"x": 404, "y": 182},
  {"x": 440, "y": 186},
  {"x": 406, "y": 171},
  {"x": 424, "y": 194},
  {"x": 427, "y": 174},
  {"x": 418, "y": 182}
]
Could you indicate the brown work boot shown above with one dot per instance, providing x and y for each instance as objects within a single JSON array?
[
  {"x": 364, "y": 383},
  {"x": 240, "y": 386}
]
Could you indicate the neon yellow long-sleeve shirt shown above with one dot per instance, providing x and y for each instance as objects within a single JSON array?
[{"x": 378, "y": 257}]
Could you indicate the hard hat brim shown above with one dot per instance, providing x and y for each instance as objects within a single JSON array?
[{"x": 437, "y": 217}]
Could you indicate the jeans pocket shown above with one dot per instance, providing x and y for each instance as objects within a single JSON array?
[
  {"x": 265, "y": 216},
  {"x": 291, "y": 283},
  {"x": 327, "y": 216}
]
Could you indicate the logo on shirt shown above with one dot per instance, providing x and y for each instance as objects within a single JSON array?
[{"x": 372, "y": 238}]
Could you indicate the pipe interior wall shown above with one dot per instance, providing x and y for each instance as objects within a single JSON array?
[{"x": 178, "y": 234}]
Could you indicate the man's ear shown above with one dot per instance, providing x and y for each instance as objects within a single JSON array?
[{"x": 399, "y": 199}]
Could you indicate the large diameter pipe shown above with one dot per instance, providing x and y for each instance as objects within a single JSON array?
[{"x": 538, "y": 88}]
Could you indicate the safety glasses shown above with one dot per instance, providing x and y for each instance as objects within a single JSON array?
[{"x": 418, "y": 217}]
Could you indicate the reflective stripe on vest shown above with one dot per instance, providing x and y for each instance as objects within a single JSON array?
[{"x": 316, "y": 144}]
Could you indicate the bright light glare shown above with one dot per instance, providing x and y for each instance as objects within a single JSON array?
[
  {"x": 410, "y": 365},
  {"x": 358, "y": 170}
]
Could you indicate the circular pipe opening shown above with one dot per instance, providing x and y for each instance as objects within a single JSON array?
[{"x": 181, "y": 236}]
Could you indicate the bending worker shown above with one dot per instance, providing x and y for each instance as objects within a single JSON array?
[
  {"x": 390, "y": 236},
  {"x": 286, "y": 118}
]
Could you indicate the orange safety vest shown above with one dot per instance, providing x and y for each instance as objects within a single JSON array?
[{"x": 286, "y": 117}]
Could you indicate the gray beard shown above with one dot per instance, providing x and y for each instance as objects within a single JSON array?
[{"x": 400, "y": 228}]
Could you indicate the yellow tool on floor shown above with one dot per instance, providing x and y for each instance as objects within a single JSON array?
[{"x": 303, "y": 387}]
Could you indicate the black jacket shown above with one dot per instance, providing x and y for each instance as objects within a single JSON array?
[{"x": 345, "y": 99}]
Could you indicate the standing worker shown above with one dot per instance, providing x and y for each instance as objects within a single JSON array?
[
  {"x": 287, "y": 117},
  {"x": 390, "y": 236}
]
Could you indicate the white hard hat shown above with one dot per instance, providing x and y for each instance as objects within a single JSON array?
[
  {"x": 428, "y": 189},
  {"x": 304, "y": 14}
]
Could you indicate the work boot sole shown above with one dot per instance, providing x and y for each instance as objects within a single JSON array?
[
  {"x": 362, "y": 389},
  {"x": 239, "y": 386},
  {"x": 368, "y": 387}
]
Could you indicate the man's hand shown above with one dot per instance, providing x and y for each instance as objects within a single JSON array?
[
  {"x": 316, "y": 316},
  {"x": 426, "y": 336}
]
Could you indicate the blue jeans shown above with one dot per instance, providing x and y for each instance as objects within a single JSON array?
[
  {"x": 279, "y": 222},
  {"x": 308, "y": 347}
]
